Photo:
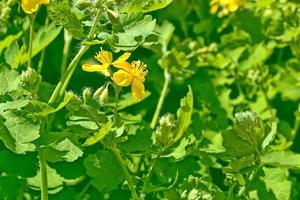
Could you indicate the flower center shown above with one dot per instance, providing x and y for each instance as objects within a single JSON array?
[{"x": 139, "y": 70}]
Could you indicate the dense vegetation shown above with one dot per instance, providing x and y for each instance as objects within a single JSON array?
[{"x": 149, "y": 99}]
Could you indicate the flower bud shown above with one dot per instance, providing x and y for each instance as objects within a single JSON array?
[
  {"x": 164, "y": 132},
  {"x": 83, "y": 4},
  {"x": 113, "y": 16},
  {"x": 30, "y": 80},
  {"x": 104, "y": 96},
  {"x": 99, "y": 91},
  {"x": 86, "y": 94}
]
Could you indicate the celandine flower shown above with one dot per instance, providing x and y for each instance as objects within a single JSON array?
[
  {"x": 133, "y": 75},
  {"x": 226, "y": 5},
  {"x": 31, "y": 6},
  {"x": 106, "y": 59}
]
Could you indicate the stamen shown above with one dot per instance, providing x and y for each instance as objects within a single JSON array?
[{"x": 139, "y": 69}]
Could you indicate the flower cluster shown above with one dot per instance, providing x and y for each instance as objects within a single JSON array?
[
  {"x": 127, "y": 74},
  {"x": 225, "y": 5},
  {"x": 31, "y": 6}
]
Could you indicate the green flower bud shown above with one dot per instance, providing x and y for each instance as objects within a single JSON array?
[
  {"x": 99, "y": 91},
  {"x": 86, "y": 94},
  {"x": 104, "y": 96},
  {"x": 164, "y": 133},
  {"x": 30, "y": 80},
  {"x": 113, "y": 16},
  {"x": 83, "y": 4}
]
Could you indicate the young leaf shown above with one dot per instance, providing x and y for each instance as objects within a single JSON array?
[
  {"x": 246, "y": 137},
  {"x": 9, "y": 80},
  {"x": 134, "y": 34},
  {"x": 100, "y": 134},
  {"x": 184, "y": 114},
  {"x": 70, "y": 151},
  {"x": 23, "y": 129},
  {"x": 60, "y": 12}
]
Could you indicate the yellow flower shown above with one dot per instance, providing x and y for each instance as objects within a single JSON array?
[
  {"x": 106, "y": 59},
  {"x": 226, "y": 5},
  {"x": 133, "y": 75},
  {"x": 31, "y": 6}
]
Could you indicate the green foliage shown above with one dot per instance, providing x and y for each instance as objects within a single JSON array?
[
  {"x": 144, "y": 6},
  {"x": 61, "y": 13},
  {"x": 219, "y": 118},
  {"x": 105, "y": 170}
]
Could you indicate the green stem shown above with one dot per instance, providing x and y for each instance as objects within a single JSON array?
[
  {"x": 150, "y": 172},
  {"x": 128, "y": 177},
  {"x": 63, "y": 83},
  {"x": 117, "y": 92},
  {"x": 43, "y": 171},
  {"x": 251, "y": 178},
  {"x": 297, "y": 122},
  {"x": 68, "y": 39},
  {"x": 41, "y": 61},
  {"x": 31, "y": 19},
  {"x": 161, "y": 98}
]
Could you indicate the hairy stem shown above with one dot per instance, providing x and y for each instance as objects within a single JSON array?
[
  {"x": 43, "y": 171},
  {"x": 31, "y": 19},
  {"x": 127, "y": 175},
  {"x": 41, "y": 61},
  {"x": 68, "y": 39},
  {"x": 63, "y": 83},
  {"x": 161, "y": 100}
]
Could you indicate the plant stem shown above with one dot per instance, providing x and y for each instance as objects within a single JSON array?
[
  {"x": 117, "y": 92},
  {"x": 150, "y": 172},
  {"x": 63, "y": 83},
  {"x": 297, "y": 122},
  {"x": 44, "y": 180},
  {"x": 31, "y": 19},
  {"x": 41, "y": 61},
  {"x": 68, "y": 39},
  {"x": 251, "y": 178},
  {"x": 161, "y": 98},
  {"x": 128, "y": 177}
]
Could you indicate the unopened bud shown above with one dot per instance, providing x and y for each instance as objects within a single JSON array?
[
  {"x": 104, "y": 96},
  {"x": 99, "y": 91},
  {"x": 86, "y": 94},
  {"x": 83, "y": 4},
  {"x": 30, "y": 80},
  {"x": 113, "y": 16},
  {"x": 164, "y": 132}
]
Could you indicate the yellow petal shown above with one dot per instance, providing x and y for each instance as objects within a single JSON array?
[
  {"x": 122, "y": 65},
  {"x": 105, "y": 57},
  {"x": 44, "y": 1},
  {"x": 94, "y": 68},
  {"x": 214, "y": 9},
  {"x": 121, "y": 62},
  {"x": 122, "y": 78},
  {"x": 30, "y": 6},
  {"x": 137, "y": 89},
  {"x": 233, "y": 6}
]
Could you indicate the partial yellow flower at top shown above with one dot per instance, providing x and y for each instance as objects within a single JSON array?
[
  {"x": 226, "y": 5},
  {"x": 133, "y": 75},
  {"x": 31, "y": 6},
  {"x": 106, "y": 59}
]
